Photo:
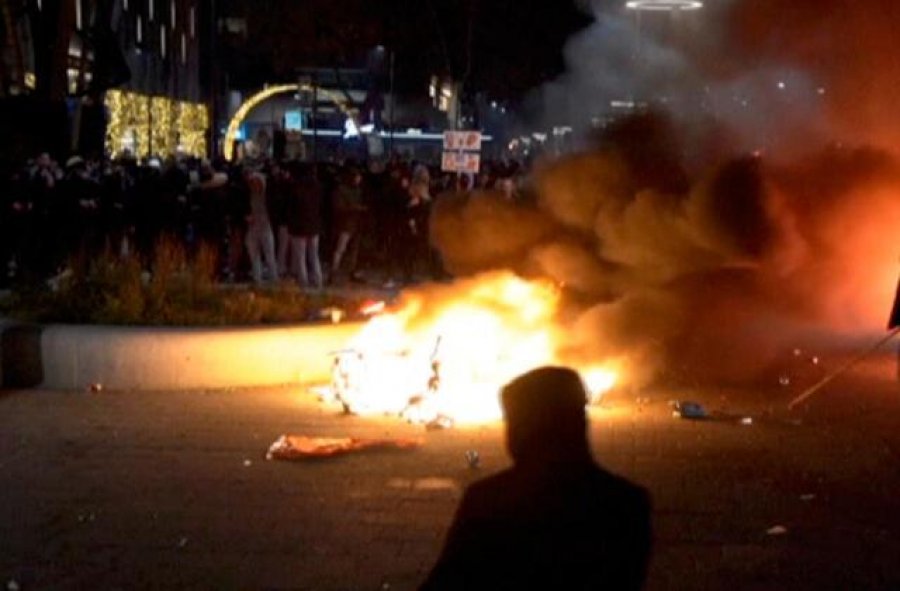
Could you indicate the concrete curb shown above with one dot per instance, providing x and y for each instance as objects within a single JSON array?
[{"x": 66, "y": 357}]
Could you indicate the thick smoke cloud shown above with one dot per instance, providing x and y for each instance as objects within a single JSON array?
[
  {"x": 754, "y": 210},
  {"x": 738, "y": 75},
  {"x": 848, "y": 47},
  {"x": 712, "y": 279}
]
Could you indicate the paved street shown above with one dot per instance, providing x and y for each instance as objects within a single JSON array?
[{"x": 171, "y": 490}]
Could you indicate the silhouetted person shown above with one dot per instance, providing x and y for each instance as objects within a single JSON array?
[
  {"x": 555, "y": 520},
  {"x": 894, "y": 323}
]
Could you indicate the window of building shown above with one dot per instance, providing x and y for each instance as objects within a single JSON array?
[
  {"x": 79, "y": 63},
  {"x": 172, "y": 12},
  {"x": 139, "y": 30},
  {"x": 79, "y": 17},
  {"x": 162, "y": 40},
  {"x": 150, "y": 9},
  {"x": 125, "y": 5},
  {"x": 183, "y": 49},
  {"x": 193, "y": 22}
]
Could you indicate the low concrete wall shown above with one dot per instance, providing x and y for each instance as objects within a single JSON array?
[{"x": 73, "y": 357}]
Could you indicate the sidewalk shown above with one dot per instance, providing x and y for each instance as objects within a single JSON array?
[{"x": 171, "y": 490}]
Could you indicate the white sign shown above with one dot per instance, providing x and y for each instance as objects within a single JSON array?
[
  {"x": 462, "y": 140},
  {"x": 461, "y": 162}
]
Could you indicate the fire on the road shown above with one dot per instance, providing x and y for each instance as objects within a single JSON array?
[{"x": 443, "y": 353}]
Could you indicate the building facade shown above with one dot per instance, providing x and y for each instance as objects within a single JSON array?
[{"x": 124, "y": 74}]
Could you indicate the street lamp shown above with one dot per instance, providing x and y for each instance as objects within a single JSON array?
[{"x": 664, "y": 5}]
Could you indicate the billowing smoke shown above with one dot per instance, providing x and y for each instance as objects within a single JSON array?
[
  {"x": 752, "y": 209},
  {"x": 706, "y": 278},
  {"x": 849, "y": 48},
  {"x": 737, "y": 75}
]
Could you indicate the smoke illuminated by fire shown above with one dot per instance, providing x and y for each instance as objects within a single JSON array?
[
  {"x": 704, "y": 280},
  {"x": 446, "y": 350},
  {"x": 753, "y": 210}
]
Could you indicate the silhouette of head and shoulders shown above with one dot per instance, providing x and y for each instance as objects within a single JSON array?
[{"x": 555, "y": 519}]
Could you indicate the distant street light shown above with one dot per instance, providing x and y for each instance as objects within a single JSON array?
[{"x": 664, "y": 5}]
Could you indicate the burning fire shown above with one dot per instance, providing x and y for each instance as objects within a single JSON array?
[{"x": 443, "y": 354}]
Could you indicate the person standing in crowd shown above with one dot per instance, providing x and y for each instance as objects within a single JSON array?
[
  {"x": 18, "y": 227},
  {"x": 207, "y": 204},
  {"x": 304, "y": 221},
  {"x": 418, "y": 207},
  {"x": 81, "y": 195},
  {"x": 348, "y": 213},
  {"x": 236, "y": 210},
  {"x": 507, "y": 187},
  {"x": 149, "y": 192},
  {"x": 115, "y": 212},
  {"x": 395, "y": 225},
  {"x": 260, "y": 240},
  {"x": 48, "y": 244},
  {"x": 463, "y": 183},
  {"x": 279, "y": 189}
]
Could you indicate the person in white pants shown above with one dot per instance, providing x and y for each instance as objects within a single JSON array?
[
  {"x": 304, "y": 221},
  {"x": 305, "y": 253},
  {"x": 260, "y": 241}
]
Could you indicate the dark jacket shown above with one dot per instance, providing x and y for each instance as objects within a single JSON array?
[
  {"x": 547, "y": 527},
  {"x": 304, "y": 209}
]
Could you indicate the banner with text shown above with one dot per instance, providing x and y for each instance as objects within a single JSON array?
[
  {"x": 462, "y": 140},
  {"x": 461, "y": 162}
]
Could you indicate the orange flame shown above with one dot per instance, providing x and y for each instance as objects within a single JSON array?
[{"x": 447, "y": 350}]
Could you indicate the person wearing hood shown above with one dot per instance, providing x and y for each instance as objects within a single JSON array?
[{"x": 555, "y": 519}]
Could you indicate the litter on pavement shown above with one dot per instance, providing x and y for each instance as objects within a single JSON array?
[
  {"x": 688, "y": 410},
  {"x": 299, "y": 447}
]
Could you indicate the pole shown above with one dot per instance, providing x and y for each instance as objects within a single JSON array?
[
  {"x": 827, "y": 379},
  {"x": 213, "y": 86},
  {"x": 391, "y": 106},
  {"x": 315, "y": 106},
  {"x": 149, "y": 127}
]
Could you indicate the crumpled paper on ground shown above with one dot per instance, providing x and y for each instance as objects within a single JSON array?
[{"x": 300, "y": 447}]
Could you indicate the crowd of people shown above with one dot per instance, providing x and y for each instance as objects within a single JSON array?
[{"x": 267, "y": 221}]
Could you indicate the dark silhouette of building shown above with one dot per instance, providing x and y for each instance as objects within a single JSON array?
[
  {"x": 62, "y": 58},
  {"x": 556, "y": 519}
]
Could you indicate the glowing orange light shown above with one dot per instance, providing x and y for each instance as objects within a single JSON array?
[
  {"x": 447, "y": 353},
  {"x": 372, "y": 307}
]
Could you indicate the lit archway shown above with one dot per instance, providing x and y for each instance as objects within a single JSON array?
[{"x": 235, "y": 124}]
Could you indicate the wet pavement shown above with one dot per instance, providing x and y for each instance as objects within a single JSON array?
[{"x": 129, "y": 490}]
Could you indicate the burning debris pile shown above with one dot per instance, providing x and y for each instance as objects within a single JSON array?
[
  {"x": 697, "y": 283},
  {"x": 441, "y": 356}
]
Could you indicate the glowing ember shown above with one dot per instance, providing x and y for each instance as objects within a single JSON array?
[
  {"x": 445, "y": 352},
  {"x": 372, "y": 307}
]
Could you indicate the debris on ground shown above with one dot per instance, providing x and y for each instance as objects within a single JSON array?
[
  {"x": 12, "y": 585},
  {"x": 299, "y": 447},
  {"x": 439, "y": 422},
  {"x": 807, "y": 497},
  {"x": 182, "y": 542},
  {"x": 687, "y": 409},
  {"x": 777, "y": 530},
  {"x": 473, "y": 459},
  {"x": 332, "y": 313},
  {"x": 747, "y": 421}
]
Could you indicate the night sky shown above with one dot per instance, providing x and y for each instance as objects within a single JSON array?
[{"x": 501, "y": 47}]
